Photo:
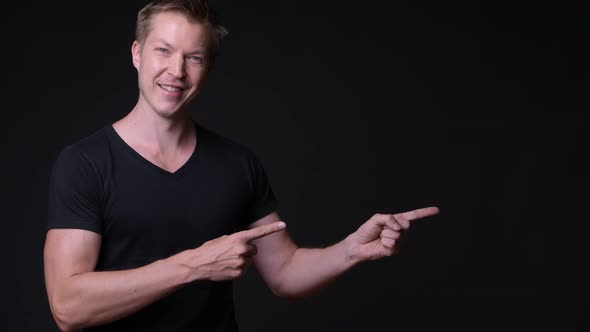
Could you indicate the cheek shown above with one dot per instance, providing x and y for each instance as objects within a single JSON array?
[
  {"x": 151, "y": 68},
  {"x": 197, "y": 75}
]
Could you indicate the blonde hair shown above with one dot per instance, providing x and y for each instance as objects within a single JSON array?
[{"x": 195, "y": 10}]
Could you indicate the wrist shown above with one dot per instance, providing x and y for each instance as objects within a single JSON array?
[
  {"x": 183, "y": 269},
  {"x": 351, "y": 251}
]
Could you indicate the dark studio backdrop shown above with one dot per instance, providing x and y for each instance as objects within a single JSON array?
[{"x": 354, "y": 108}]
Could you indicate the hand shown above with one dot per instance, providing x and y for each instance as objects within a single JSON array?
[
  {"x": 226, "y": 257},
  {"x": 379, "y": 236}
]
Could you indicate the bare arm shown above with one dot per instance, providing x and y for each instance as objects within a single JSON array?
[
  {"x": 294, "y": 272},
  {"x": 80, "y": 297}
]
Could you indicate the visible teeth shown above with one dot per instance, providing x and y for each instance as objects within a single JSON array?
[{"x": 169, "y": 88}]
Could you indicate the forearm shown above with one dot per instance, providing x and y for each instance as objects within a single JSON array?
[
  {"x": 308, "y": 270},
  {"x": 80, "y": 297},
  {"x": 95, "y": 298},
  {"x": 294, "y": 272}
]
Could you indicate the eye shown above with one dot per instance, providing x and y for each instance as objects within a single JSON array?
[
  {"x": 196, "y": 59},
  {"x": 162, "y": 50}
]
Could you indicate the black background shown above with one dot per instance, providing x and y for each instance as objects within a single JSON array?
[{"x": 354, "y": 108}]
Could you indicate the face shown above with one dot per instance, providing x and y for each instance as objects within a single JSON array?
[{"x": 171, "y": 63}]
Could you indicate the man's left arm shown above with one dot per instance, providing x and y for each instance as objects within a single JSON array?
[{"x": 294, "y": 272}]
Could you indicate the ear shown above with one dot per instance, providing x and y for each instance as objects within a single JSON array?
[{"x": 136, "y": 54}]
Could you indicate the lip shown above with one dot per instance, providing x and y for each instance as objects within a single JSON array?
[
  {"x": 171, "y": 93},
  {"x": 180, "y": 86}
]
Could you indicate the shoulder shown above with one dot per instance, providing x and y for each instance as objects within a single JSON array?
[
  {"x": 94, "y": 145},
  {"x": 87, "y": 153}
]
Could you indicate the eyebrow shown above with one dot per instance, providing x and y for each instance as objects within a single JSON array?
[{"x": 196, "y": 51}]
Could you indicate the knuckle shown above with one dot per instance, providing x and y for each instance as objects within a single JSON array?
[
  {"x": 394, "y": 226},
  {"x": 241, "y": 248},
  {"x": 236, "y": 273},
  {"x": 403, "y": 222},
  {"x": 239, "y": 262}
]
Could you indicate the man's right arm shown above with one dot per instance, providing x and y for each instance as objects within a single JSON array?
[{"x": 81, "y": 297}]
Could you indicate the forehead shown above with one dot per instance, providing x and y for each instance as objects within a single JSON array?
[{"x": 176, "y": 29}]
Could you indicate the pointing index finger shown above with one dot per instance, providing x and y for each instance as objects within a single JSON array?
[
  {"x": 418, "y": 213},
  {"x": 261, "y": 231}
]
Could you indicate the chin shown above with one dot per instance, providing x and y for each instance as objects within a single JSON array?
[
  {"x": 170, "y": 112},
  {"x": 167, "y": 113}
]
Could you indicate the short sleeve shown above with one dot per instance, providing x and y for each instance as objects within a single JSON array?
[
  {"x": 74, "y": 193},
  {"x": 264, "y": 200}
]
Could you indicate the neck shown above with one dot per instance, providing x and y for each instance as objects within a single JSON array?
[{"x": 155, "y": 132}]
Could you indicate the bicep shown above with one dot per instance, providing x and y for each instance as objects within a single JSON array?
[
  {"x": 274, "y": 250},
  {"x": 68, "y": 252}
]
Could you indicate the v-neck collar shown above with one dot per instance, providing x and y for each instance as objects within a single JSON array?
[{"x": 176, "y": 174}]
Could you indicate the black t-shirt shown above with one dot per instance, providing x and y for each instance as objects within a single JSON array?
[{"x": 145, "y": 213}]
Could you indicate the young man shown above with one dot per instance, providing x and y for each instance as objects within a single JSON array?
[{"x": 140, "y": 211}]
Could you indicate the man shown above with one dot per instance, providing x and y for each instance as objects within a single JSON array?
[{"x": 140, "y": 211}]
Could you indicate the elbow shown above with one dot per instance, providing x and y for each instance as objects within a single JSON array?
[
  {"x": 64, "y": 322},
  {"x": 63, "y": 326},
  {"x": 289, "y": 294},
  {"x": 66, "y": 316}
]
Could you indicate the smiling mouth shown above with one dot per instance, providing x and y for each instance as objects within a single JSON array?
[{"x": 170, "y": 88}]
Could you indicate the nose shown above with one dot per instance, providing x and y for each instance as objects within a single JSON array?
[{"x": 176, "y": 67}]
